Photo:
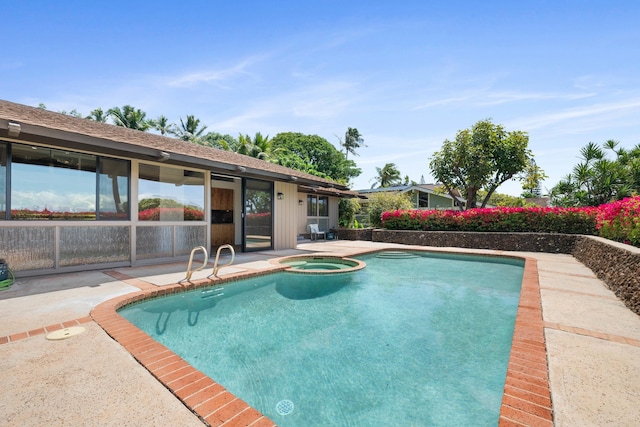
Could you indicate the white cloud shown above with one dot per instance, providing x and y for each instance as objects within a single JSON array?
[
  {"x": 484, "y": 98},
  {"x": 597, "y": 113},
  {"x": 218, "y": 75}
]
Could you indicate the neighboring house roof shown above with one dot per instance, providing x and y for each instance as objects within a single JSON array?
[
  {"x": 423, "y": 188},
  {"x": 42, "y": 126}
]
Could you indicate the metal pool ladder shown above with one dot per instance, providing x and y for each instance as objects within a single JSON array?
[
  {"x": 215, "y": 263},
  {"x": 206, "y": 260}
]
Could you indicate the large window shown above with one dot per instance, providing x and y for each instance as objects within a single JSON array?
[
  {"x": 318, "y": 211},
  {"x": 57, "y": 184},
  {"x": 113, "y": 189},
  {"x": 317, "y": 205},
  {"x": 170, "y": 194}
]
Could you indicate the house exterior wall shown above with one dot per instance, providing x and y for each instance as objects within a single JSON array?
[
  {"x": 303, "y": 221},
  {"x": 334, "y": 204},
  {"x": 285, "y": 216}
]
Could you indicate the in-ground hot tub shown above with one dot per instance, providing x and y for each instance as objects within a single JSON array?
[{"x": 323, "y": 264}]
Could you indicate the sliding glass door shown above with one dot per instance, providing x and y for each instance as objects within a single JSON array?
[{"x": 258, "y": 218}]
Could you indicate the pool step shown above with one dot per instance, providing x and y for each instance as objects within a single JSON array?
[
  {"x": 396, "y": 255},
  {"x": 212, "y": 293}
]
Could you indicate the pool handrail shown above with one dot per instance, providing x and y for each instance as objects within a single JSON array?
[
  {"x": 204, "y": 264},
  {"x": 215, "y": 263}
]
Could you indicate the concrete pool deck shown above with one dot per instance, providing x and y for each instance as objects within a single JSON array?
[{"x": 592, "y": 347}]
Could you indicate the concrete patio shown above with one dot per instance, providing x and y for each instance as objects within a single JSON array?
[{"x": 593, "y": 346}]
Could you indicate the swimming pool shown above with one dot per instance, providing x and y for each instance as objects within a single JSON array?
[{"x": 414, "y": 339}]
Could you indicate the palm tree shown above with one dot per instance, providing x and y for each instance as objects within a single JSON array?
[
  {"x": 98, "y": 115},
  {"x": 261, "y": 147},
  {"x": 129, "y": 117},
  {"x": 162, "y": 125},
  {"x": 190, "y": 130},
  {"x": 388, "y": 176},
  {"x": 352, "y": 141},
  {"x": 244, "y": 145}
]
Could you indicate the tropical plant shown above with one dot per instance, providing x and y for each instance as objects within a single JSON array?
[
  {"x": 129, "y": 117},
  {"x": 262, "y": 147},
  {"x": 352, "y": 141},
  {"x": 190, "y": 130},
  {"x": 482, "y": 157},
  {"x": 162, "y": 125},
  {"x": 596, "y": 180},
  {"x": 388, "y": 176},
  {"x": 98, "y": 115},
  {"x": 259, "y": 147}
]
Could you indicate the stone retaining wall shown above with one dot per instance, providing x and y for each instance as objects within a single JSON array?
[
  {"x": 526, "y": 242},
  {"x": 616, "y": 264}
]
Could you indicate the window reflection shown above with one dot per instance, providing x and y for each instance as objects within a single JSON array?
[
  {"x": 3, "y": 180},
  {"x": 52, "y": 184},
  {"x": 170, "y": 194},
  {"x": 113, "y": 189},
  {"x": 258, "y": 208}
]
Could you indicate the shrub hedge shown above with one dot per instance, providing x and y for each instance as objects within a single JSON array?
[
  {"x": 502, "y": 219},
  {"x": 619, "y": 221}
]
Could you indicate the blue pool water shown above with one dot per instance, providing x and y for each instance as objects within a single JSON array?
[{"x": 409, "y": 340}]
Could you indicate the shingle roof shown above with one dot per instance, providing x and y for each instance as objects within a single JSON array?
[{"x": 36, "y": 119}]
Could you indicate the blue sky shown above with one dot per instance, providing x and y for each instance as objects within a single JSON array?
[{"x": 407, "y": 74}]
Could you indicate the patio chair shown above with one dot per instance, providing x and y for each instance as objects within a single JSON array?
[{"x": 315, "y": 232}]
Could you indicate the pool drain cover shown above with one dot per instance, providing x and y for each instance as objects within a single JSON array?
[
  {"x": 284, "y": 407},
  {"x": 63, "y": 334}
]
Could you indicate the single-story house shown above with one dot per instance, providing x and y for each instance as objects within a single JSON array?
[
  {"x": 78, "y": 194},
  {"x": 423, "y": 196}
]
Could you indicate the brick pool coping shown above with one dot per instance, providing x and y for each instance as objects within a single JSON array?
[{"x": 526, "y": 398}]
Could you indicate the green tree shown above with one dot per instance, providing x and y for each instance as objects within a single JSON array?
[
  {"x": 499, "y": 199},
  {"x": 130, "y": 117},
  {"x": 597, "y": 179},
  {"x": 347, "y": 209},
  {"x": 162, "y": 125},
  {"x": 388, "y": 176},
  {"x": 98, "y": 115},
  {"x": 312, "y": 154},
  {"x": 379, "y": 203},
  {"x": 190, "y": 130},
  {"x": 531, "y": 179},
  {"x": 352, "y": 141},
  {"x": 216, "y": 140},
  {"x": 483, "y": 157}
]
